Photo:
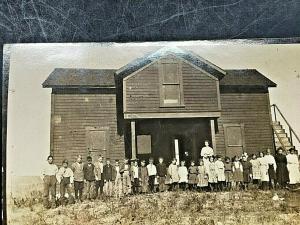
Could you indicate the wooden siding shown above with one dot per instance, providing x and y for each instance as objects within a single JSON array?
[
  {"x": 142, "y": 91},
  {"x": 72, "y": 114},
  {"x": 252, "y": 110}
]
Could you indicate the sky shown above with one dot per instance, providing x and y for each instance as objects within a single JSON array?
[{"x": 28, "y": 122}]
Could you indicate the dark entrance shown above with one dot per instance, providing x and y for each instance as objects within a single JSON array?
[{"x": 156, "y": 137}]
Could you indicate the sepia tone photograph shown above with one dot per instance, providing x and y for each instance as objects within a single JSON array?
[{"x": 194, "y": 132}]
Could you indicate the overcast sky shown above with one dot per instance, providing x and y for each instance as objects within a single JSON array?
[{"x": 28, "y": 129}]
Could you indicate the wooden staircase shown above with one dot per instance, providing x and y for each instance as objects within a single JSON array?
[{"x": 282, "y": 138}]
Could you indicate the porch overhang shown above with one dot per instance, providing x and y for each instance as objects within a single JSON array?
[{"x": 168, "y": 115}]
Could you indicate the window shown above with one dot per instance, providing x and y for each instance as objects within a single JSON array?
[{"x": 171, "y": 84}]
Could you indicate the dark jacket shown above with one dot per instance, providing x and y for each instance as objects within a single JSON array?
[
  {"x": 89, "y": 172},
  {"x": 109, "y": 173},
  {"x": 161, "y": 169}
]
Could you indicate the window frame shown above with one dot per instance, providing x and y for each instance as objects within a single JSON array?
[{"x": 162, "y": 84}]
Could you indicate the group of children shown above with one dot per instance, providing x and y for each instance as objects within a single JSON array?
[{"x": 210, "y": 174}]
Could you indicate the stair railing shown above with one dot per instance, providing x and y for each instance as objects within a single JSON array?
[{"x": 292, "y": 132}]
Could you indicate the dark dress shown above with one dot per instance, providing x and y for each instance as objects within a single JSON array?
[
  {"x": 247, "y": 166},
  {"x": 282, "y": 174}
]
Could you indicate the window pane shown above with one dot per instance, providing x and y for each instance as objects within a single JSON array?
[
  {"x": 172, "y": 94},
  {"x": 234, "y": 136},
  {"x": 144, "y": 144},
  {"x": 170, "y": 73}
]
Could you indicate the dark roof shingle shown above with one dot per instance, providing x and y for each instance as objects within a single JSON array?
[
  {"x": 246, "y": 77},
  {"x": 69, "y": 77}
]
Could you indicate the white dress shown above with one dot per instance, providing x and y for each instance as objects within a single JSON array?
[
  {"x": 183, "y": 174},
  {"x": 293, "y": 168},
  {"x": 220, "y": 170},
  {"x": 264, "y": 166}
]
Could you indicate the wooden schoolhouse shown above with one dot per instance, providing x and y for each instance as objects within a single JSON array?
[{"x": 166, "y": 103}]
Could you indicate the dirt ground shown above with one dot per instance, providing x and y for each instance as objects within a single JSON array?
[{"x": 252, "y": 207}]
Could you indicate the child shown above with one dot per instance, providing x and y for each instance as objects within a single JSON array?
[
  {"x": 65, "y": 179},
  {"x": 228, "y": 173},
  {"x": 212, "y": 174},
  {"x": 202, "y": 176},
  {"x": 183, "y": 175},
  {"x": 264, "y": 175},
  {"x": 118, "y": 180},
  {"x": 161, "y": 174},
  {"x": 49, "y": 177},
  {"x": 125, "y": 172},
  {"x": 89, "y": 178},
  {"x": 109, "y": 175},
  {"x": 220, "y": 168},
  {"x": 77, "y": 168},
  {"x": 99, "y": 184},
  {"x": 144, "y": 177},
  {"x": 192, "y": 175},
  {"x": 151, "y": 168},
  {"x": 247, "y": 172},
  {"x": 135, "y": 176},
  {"x": 237, "y": 171},
  {"x": 174, "y": 177},
  {"x": 272, "y": 168},
  {"x": 255, "y": 165}
]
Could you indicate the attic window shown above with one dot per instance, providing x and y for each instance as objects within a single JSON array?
[{"x": 171, "y": 84}]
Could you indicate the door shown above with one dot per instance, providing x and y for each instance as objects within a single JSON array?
[
  {"x": 234, "y": 139},
  {"x": 97, "y": 140}
]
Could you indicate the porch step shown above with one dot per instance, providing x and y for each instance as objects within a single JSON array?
[{"x": 281, "y": 137}]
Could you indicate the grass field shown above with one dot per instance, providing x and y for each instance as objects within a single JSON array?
[{"x": 252, "y": 207}]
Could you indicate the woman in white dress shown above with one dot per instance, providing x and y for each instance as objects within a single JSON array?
[
  {"x": 255, "y": 170},
  {"x": 293, "y": 167}
]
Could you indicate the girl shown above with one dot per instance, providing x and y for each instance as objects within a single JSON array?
[
  {"x": 202, "y": 176},
  {"x": 237, "y": 170},
  {"x": 255, "y": 164},
  {"x": 247, "y": 171},
  {"x": 144, "y": 177},
  {"x": 212, "y": 174},
  {"x": 281, "y": 171},
  {"x": 264, "y": 175},
  {"x": 228, "y": 173},
  {"x": 220, "y": 169},
  {"x": 173, "y": 172},
  {"x": 183, "y": 175},
  {"x": 272, "y": 167},
  {"x": 192, "y": 175}
]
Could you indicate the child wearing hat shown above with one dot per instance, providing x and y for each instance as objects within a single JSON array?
[{"x": 65, "y": 179}]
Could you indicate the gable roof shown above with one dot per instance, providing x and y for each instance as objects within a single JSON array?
[
  {"x": 246, "y": 77},
  {"x": 69, "y": 77},
  {"x": 177, "y": 52}
]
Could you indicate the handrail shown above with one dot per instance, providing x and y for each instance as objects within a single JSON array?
[{"x": 291, "y": 130}]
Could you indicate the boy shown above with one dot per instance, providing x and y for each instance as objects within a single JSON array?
[
  {"x": 109, "y": 175},
  {"x": 125, "y": 172},
  {"x": 89, "y": 177},
  {"x": 135, "y": 176},
  {"x": 161, "y": 174},
  {"x": 77, "y": 168},
  {"x": 118, "y": 180},
  {"x": 99, "y": 176},
  {"x": 151, "y": 168},
  {"x": 49, "y": 177},
  {"x": 65, "y": 179},
  {"x": 247, "y": 171}
]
